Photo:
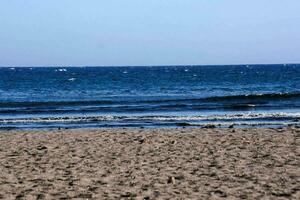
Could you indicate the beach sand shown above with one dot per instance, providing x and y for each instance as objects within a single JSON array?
[{"x": 150, "y": 164}]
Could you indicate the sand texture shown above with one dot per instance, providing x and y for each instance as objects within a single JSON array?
[{"x": 150, "y": 164}]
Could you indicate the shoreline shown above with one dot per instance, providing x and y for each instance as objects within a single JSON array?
[
  {"x": 237, "y": 120},
  {"x": 150, "y": 163},
  {"x": 132, "y": 128}
]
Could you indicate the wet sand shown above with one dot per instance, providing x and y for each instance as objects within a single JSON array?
[{"x": 150, "y": 164}]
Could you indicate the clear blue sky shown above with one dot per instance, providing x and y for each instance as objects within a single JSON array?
[{"x": 148, "y": 32}]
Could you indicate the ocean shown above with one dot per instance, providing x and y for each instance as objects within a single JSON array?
[{"x": 160, "y": 96}]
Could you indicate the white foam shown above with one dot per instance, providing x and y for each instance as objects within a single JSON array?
[
  {"x": 71, "y": 79},
  {"x": 216, "y": 118}
]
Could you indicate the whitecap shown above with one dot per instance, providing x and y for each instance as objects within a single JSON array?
[{"x": 71, "y": 79}]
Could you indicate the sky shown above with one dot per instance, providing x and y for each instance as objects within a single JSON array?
[{"x": 150, "y": 32}]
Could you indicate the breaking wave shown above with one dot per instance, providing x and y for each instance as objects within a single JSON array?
[{"x": 226, "y": 117}]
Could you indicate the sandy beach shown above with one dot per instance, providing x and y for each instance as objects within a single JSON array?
[{"x": 150, "y": 164}]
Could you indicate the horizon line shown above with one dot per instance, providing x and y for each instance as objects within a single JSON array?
[{"x": 172, "y": 65}]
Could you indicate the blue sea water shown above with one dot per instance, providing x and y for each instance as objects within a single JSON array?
[{"x": 166, "y": 96}]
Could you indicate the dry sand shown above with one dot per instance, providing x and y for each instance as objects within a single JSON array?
[{"x": 150, "y": 164}]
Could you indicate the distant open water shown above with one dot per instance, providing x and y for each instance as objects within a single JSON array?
[{"x": 166, "y": 96}]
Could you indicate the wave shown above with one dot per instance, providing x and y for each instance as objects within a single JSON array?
[
  {"x": 82, "y": 110},
  {"x": 264, "y": 96},
  {"x": 273, "y": 96},
  {"x": 110, "y": 118}
]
